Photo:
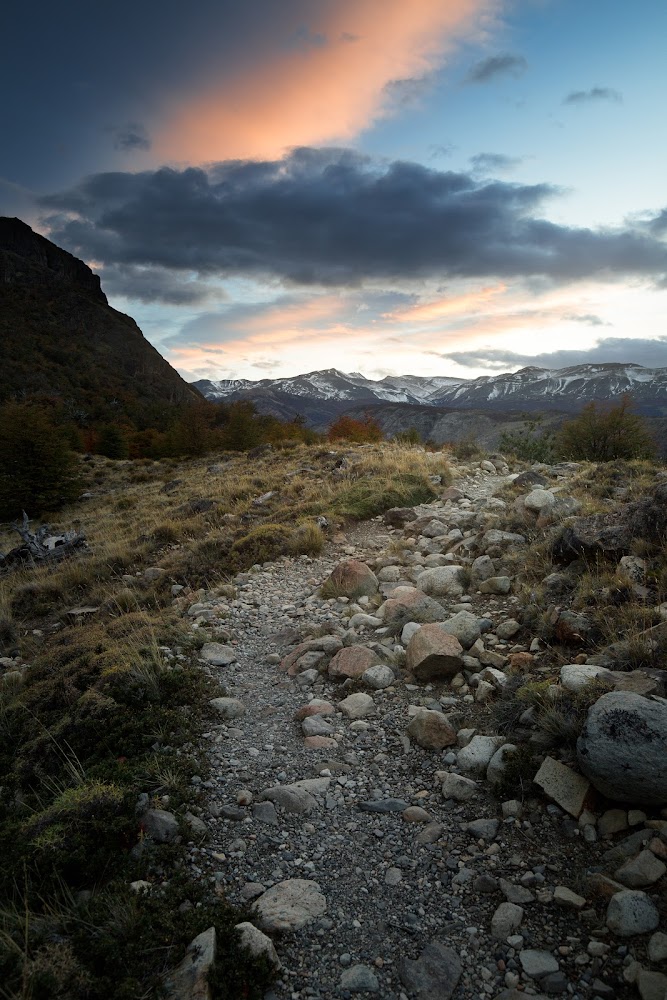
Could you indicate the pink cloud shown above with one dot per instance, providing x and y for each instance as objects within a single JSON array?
[{"x": 323, "y": 93}]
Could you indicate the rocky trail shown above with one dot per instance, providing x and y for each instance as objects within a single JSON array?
[{"x": 354, "y": 772}]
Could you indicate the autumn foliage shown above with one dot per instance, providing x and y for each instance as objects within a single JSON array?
[{"x": 359, "y": 431}]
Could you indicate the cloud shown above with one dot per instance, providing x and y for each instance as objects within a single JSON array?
[
  {"x": 506, "y": 64},
  {"x": 130, "y": 137},
  {"x": 590, "y": 319},
  {"x": 490, "y": 163},
  {"x": 155, "y": 284},
  {"x": 658, "y": 224},
  {"x": 316, "y": 87},
  {"x": 408, "y": 93},
  {"x": 594, "y": 94},
  {"x": 623, "y": 350},
  {"x": 333, "y": 217}
]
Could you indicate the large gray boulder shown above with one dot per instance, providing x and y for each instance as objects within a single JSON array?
[
  {"x": 622, "y": 746},
  {"x": 443, "y": 581}
]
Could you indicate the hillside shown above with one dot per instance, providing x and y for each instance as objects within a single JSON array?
[{"x": 60, "y": 338}]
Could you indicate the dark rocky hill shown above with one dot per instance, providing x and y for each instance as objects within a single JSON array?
[{"x": 60, "y": 338}]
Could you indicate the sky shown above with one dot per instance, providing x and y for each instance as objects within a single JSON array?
[{"x": 432, "y": 187}]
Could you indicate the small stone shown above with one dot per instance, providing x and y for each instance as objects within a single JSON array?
[
  {"x": 227, "y": 708},
  {"x": 378, "y": 677},
  {"x": 537, "y": 964},
  {"x": 568, "y": 899},
  {"x": 652, "y": 985},
  {"x": 434, "y": 975},
  {"x": 474, "y": 758},
  {"x": 483, "y": 829},
  {"x": 569, "y": 789},
  {"x": 357, "y": 706},
  {"x": 612, "y": 821},
  {"x": 496, "y": 585},
  {"x": 415, "y": 814},
  {"x": 432, "y": 730},
  {"x": 315, "y": 725},
  {"x": 359, "y": 979},
  {"x": 217, "y": 654},
  {"x": 641, "y": 871},
  {"x": 290, "y": 905},
  {"x": 258, "y": 944},
  {"x": 458, "y": 787},
  {"x": 657, "y": 947},
  {"x": 160, "y": 825},
  {"x": 505, "y": 920},
  {"x": 393, "y": 876}
]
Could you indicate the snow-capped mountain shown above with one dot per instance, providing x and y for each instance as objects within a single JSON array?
[
  {"x": 565, "y": 389},
  {"x": 332, "y": 384}
]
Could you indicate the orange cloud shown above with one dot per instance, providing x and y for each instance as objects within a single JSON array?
[
  {"x": 319, "y": 93},
  {"x": 428, "y": 312}
]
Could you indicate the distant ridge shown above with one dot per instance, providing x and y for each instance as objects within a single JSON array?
[
  {"x": 60, "y": 338},
  {"x": 322, "y": 394}
]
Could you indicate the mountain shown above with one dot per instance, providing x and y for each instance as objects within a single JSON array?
[
  {"x": 321, "y": 396},
  {"x": 60, "y": 338},
  {"x": 333, "y": 385}
]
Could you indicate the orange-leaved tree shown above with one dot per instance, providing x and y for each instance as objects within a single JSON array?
[{"x": 360, "y": 431}]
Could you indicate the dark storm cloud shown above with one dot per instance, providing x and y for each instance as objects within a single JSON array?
[
  {"x": 154, "y": 284},
  {"x": 594, "y": 94},
  {"x": 130, "y": 137},
  {"x": 650, "y": 353},
  {"x": 489, "y": 163},
  {"x": 333, "y": 217},
  {"x": 493, "y": 67}
]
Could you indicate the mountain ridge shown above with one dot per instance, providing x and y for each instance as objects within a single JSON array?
[{"x": 531, "y": 389}]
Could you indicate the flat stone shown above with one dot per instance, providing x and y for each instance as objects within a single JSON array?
[
  {"x": 384, "y": 805},
  {"x": 569, "y": 789},
  {"x": 495, "y": 585},
  {"x": 576, "y": 676},
  {"x": 568, "y": 899},
  {"x": 652, "y": 985},
  {"x": 483, "y": 829},
  {"x": 432, "y": 976},
  {"x": 537, "y": 964},
  {"x": 315, "y": 725},
  {"x": 265, "y": 812},
  {"x": 290, "y": 905},
  {"x": 359, "y": 979},
  {"x": 228, "y": 708},
  {"x": 217, "y": 654},
  {"x": 415, "y": 814},
  {"x": 631, "y": 912},
  {"x": 357, "y": 706},
  {"x": 294, "y": 798}
]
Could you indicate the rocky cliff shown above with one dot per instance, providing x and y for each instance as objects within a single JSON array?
[{"x": 59, "y": 336}]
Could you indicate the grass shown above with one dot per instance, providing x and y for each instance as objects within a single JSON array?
[{"x": 101, "y": 714}]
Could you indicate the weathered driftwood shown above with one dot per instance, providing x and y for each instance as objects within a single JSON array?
[{"x": 42, "y": 545}]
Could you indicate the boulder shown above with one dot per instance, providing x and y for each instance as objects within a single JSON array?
[
  {"x": 408, "y": 604},
  {"x": 475, "y": 757},
  {"x": 442, "y": 581},
  {"x": 539, "y": 500},
  {"x": 378, "y": 677},
  {"x": 357, "y": 706},
  {"x": 398, "y": 517},
  {"x": 621, "y": 748},
  {"x": 434, "y": 975},
  {"x": 496, "y": 585},
  {"x": 227, "y": 708},
  {"x": 483, "y": 568},
  {"x": 432, "y": 654},
  {"x": 595, "y": 534},
  {"x": 631, "y": 912},
  {"x": 217, "y": 654},
  {"x": 431, "y": 730},
  {"x": 352, "y": 661},
  {"x": 576, "y": 676},
  {"x": 351, "y": 578}
]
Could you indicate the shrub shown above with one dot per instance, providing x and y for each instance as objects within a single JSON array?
[
  {"x": 360, "y": 431},
  {"x": 409, "y": 436},
  {"x": 531, "y": 443},
  {"x": 603, "y": 433},
  {"x": 38, "y": 471}
]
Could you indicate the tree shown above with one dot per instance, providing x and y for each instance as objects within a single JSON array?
[
  {"x": 603, "y": 433},
  {"x": 38, "y": 471},
  {"x": 112, "y": 442}
]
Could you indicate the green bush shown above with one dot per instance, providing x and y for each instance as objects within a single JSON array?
[
  {"x": 531, "y": 443},
  {"x": 38, "y": 472},
  {"x": 604, "y": 433}
]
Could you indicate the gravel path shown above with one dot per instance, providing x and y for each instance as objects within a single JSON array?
[{"x": 394, "y": 882}]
